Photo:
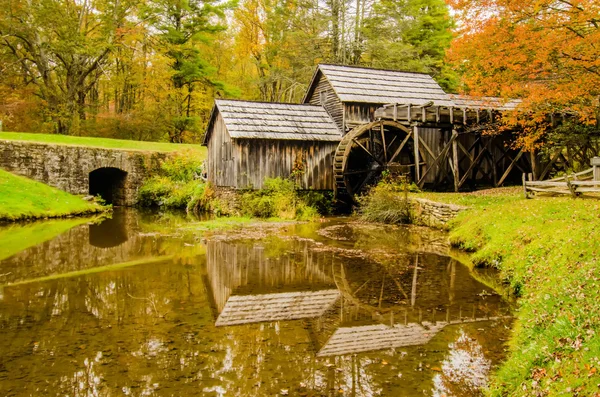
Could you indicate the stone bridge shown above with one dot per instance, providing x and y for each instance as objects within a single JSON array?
[{"x": 114, "y": 174}]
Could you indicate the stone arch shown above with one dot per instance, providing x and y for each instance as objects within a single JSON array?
[{"x": 109, "y": 183}]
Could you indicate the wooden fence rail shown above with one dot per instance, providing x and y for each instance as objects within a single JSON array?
[{"x": 587, "y": 181}]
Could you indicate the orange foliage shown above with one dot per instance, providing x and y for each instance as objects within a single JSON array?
[{"x": 546, "y": 52}]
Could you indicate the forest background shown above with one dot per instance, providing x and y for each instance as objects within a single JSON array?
[{"x": 150, "y": 69}]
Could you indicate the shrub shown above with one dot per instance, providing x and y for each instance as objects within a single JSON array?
[
  {"x": 176, "y": 184},
  {"x": 279, "y": 198},
  {"x": 387, "y": 203}
]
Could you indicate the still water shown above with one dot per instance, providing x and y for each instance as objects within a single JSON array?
[{"x": 146, "y": 304}]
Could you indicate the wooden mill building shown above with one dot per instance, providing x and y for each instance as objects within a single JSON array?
[
  {"x": 251, "y": 141},
  {"x": 357, "y": 122}
]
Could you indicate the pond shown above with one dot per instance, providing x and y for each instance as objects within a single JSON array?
[{"x": 158, "y": 304}]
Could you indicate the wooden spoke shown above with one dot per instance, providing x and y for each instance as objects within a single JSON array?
[
  {"x": 397, "y": 152},
  {"x": 357, "y": 172},
  {"x": 367, "y": 151}
]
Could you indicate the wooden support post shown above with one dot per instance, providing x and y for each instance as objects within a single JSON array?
[
  {"x": 596, "y": 167},
  {"x": 417, "y": 157},
  {"x": 409, "y": 109},
  {"x": 395, "y": 111},
  {"x": 533, "y": 160},
  {"x": 571, "y": 187},
  {"x": 525, "y": 186},
  {"x": 455, "y": 171}
]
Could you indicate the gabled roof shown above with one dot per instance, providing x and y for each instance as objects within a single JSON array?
[
  {"x": 245, "y": 309},
  {"x": 378, "y": 86},
  {"x": 265, "y": 120}
]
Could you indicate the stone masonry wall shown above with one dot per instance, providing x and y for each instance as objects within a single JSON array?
[
  {"x": 68, "y": 167},
  {"x": 433, "y": 214}
]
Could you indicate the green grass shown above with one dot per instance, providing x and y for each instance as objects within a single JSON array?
[
  {"x": 22, "y": 198},
  {"x": 101, "y": 142},
  {"x": 548, "y": 249},
  {"x": 15, "y": 238}
]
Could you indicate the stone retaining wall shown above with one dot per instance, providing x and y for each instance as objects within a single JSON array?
[
  {"x": 433, "y": 214},
  {"x": 68, "y": 167}
]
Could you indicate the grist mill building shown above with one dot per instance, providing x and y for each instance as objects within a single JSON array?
[{"x": 354, "y": 124}]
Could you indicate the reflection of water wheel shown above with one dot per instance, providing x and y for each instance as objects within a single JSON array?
[
  {"x": 366, "y": 151},
  {"x": 379, "y": 293}
]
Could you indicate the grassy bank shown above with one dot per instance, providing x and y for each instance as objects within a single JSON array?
[
  {"x": 548, "y": 250},
  {"x": 22, "y": 198},
  {"x": 106, "y": 143}
]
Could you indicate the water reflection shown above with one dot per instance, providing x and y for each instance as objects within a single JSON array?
[
  {"x": 248, "y": 318},
  {"x": 111, "y": 232}
]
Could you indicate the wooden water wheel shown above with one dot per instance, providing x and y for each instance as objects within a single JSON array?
[{"x": 368, "y": 150}]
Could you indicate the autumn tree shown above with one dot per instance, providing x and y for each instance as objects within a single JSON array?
[
  {"x": 279, "y": 42},
  {"x": 61, "y": 47},
  {"x": 546, "y": 52}
]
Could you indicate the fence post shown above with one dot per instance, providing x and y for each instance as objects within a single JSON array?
[{"x": 596, "y": 166}]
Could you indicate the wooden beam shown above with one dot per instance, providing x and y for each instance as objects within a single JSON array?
[
  {"x": 473, "y": 164},
  {"x": 442, "y": 154},
  {"x": 456, "y": 171},
  {"x": 510, "y": 167},
  {"x": 397, "y": 152},
  {"x": 383, "y": 141},
  {"x": 417, "y": 156},
  {"x": 596, "y": 168},
  {"x": 532, "y": 159},
  {"x": 427, "y": 148}
]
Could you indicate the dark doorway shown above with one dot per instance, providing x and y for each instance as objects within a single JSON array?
[{"x": 109, "y": 183}]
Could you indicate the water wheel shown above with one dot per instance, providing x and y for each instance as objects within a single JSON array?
[{"x": 368, "y": 150}]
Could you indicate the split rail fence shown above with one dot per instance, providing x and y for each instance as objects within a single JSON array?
[{"x": 578, "y": 184}]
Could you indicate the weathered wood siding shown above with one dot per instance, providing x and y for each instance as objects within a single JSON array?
[
  {"x": 356, "y": 114},
  {"x": 435, "y": 140},
  {"x": 221, "y": 162},
  {"x": 332, "y": 104},
  {"x": 258, "y": 159}
]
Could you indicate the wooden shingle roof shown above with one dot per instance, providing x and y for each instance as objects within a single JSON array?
[
  {"x": 246, "y": 309},
  {"x": 264, "y": 120},
  {"x": 378, "y": 86}
]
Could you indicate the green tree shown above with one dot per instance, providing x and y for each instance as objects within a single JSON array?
[
  {"x": 409, "y": 35},
  {"x": 184, "y": 25}
]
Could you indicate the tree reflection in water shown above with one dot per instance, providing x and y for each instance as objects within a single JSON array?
[{"x": 150, "y": 330}]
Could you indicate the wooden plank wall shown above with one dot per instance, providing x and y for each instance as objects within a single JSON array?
[
  {"x": 258, "y": 159},
  {"x": 356, "y": 114},
  {"x": 221, "y": 167},
  {"x": 332, "y": 104}
]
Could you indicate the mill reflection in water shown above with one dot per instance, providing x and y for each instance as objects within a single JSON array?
[
  {"x": 341, "y": 310},
  {"x": 351, "y": 303}
]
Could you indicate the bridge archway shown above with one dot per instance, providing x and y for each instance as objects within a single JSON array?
[{"x": 109, "y": 183}]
